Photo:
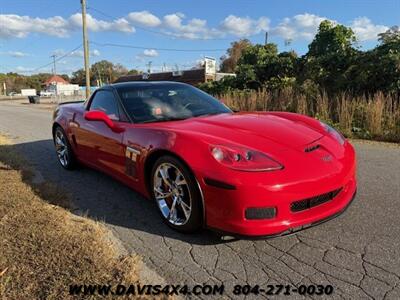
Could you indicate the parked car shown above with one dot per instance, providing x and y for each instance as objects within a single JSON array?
[{"x": 249, "y": 173}]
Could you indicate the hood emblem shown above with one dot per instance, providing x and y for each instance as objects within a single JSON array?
[{"x": 327, "y": 158}]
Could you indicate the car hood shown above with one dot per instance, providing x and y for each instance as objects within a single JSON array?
[{"x": 251, "y": 129}]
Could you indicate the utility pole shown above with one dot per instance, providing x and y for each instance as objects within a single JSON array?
[
  {"x": 54, "y": 64},
  {"x": 149, "y": 66},
  {"x": 85, "y": 49},
  {"x": 266, "y": 38}
]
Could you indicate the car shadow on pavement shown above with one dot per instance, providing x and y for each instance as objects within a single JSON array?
[{"x": 103, "y": 198}]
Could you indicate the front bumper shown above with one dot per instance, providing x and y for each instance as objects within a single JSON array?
[
  {"x": 291, "y": 230},
  {"x": 225, "y": 209}
]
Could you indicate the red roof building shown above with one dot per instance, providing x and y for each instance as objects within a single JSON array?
[{"x": 54, "y": 80}]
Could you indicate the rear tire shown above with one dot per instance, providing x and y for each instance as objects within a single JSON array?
[
  {"x": 176, "y": 194},
  {"x": 64, "y": 152}
]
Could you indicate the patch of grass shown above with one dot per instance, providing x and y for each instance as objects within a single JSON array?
[
  {"x": 45, "y": 190},
  {"x": 45, "y": 248},
  {"x": 376, "y": 117}
]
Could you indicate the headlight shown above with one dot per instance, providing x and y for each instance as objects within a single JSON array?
[
  {"x": 334, "y": 133},
  {"x": 243, "y": 159}
]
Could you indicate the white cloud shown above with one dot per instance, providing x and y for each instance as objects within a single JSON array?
[
  {"x": 144, "y": 18},
  {"x": 95, "y": 52},
  {"x": 93, "y": 24},
  {"x": 244, "y": 26},
  {"x": 365, "y": 30},
  {"x": 21, "y": 26},
  {"x": 194, "y": 29},
  {"x": 76, "y": 53},
  {"x": 15, "y": 26},
  {"x": 23, "y": 69},
  {"x": 17, "y": 54},
  {"x": 150, "y": 53},
  {"x": 174, "y": 21},
  {"x": 303, "y": 26}
]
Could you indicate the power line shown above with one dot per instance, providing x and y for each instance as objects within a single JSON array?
[
  {"x": 167, "y": 34},
  {"x": 159, "y": 49},
  {"x": 58, "y": 59}
]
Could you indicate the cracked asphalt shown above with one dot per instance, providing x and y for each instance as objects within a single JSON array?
[{"x": 357, "y": 253}]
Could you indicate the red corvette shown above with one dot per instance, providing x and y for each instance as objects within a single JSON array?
[{"x": 251, "y": 174}]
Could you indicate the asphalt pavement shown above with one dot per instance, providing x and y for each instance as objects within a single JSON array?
[{"x": 357, "y": 253}]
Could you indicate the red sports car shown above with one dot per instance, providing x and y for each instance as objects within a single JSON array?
[{"x": 250, "y": 174}]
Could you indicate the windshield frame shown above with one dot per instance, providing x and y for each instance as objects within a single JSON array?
[{"x": 148, "y": 85}]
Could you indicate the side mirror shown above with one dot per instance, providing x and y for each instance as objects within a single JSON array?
[{"x": 97, "y": 115}]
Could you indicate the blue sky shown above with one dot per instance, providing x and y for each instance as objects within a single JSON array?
[{"x": 33, "y": 30}]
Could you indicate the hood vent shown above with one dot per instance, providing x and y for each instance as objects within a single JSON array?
[{"x": 311, "y": 148}]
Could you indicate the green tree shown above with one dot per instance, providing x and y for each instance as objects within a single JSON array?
[
  {"x": 101, "y": 72},
  {"x": 330, "y": 56},
  {"x": 379, "y": 69},
  {"x": 261, "y": 65},
  {"x": 392, "y": 35},
  {"x": 230, "y": 60},
  {"x": 78, "y": 77}
]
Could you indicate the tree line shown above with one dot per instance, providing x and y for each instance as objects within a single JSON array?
[
  {"x": 101, "y": 72},
  {"x": 334, "y": 63}
]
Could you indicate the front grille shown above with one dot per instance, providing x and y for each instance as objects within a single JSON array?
[
  {"x": 313, "y": 201},
  {"x": 260, "y": 213}
]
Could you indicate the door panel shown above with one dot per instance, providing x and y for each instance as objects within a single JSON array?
[{"x": 96, "y": 143}]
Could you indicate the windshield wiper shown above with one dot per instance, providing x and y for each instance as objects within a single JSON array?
[
  {"x": 164, "y": 120},
  {"x": 208, "y": 114}
]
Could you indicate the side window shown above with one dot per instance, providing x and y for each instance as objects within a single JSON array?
[{"x": 105, "y": 101}]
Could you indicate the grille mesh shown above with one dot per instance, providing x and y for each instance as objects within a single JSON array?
[
  {"x": 313, "y": 201},
  {"x": 259, "y": 213}
]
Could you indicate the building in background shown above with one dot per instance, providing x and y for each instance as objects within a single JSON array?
[
  {"x": 58, "y": 86},
  {"x": 208, "y": 72}
]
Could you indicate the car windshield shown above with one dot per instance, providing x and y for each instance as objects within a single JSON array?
[{"x": 167, "y": 102}]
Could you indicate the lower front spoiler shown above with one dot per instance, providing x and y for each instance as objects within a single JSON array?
[{"x": 289, "y": 231}]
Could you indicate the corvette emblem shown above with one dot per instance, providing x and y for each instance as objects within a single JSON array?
[{"x": 327, "y": 158}]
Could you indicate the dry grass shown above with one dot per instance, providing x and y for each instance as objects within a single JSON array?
[
  {"x": 45, "y": 190},
  {"x": 45, "y": 248},
  {"x": 376, "y": 117}
]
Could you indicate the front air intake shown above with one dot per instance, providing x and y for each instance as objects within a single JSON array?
[
  {"x": 260, "y": 213},
  {"x": 313, "y": 201}
]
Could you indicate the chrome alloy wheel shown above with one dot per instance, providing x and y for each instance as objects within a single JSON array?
[
  {"x": 61, "y": 148},
  {"x": 172, "y": 194}
]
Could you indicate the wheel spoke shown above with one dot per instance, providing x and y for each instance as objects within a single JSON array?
[
  {"x": 161, "y": 194},
  {"x": 180, "y": 180},
  {"x": 60, "y": 141},
  {"x": 172, "y": 212},
  {"x": 165, "y": 176},
  {"x": 185, "y": 209}
]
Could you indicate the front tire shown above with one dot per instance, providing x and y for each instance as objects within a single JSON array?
[
  {"x": 64, "y": 151},
  {"x": 177, "y": 196}
]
